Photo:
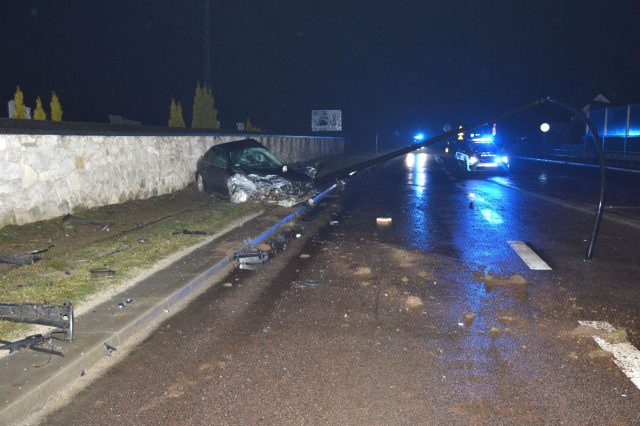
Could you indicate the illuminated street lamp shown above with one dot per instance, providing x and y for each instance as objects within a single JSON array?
[{"x": 544, "y": 128}]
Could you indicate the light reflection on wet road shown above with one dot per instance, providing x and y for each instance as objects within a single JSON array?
[{"x": 350, "y": 350}]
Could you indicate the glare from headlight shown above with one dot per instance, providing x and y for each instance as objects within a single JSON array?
[
  {"x": 473, "y": 160},
  {"x": 505, "y": 159}
]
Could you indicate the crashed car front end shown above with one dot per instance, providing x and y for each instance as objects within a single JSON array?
[{"x": 271, "y": 188}]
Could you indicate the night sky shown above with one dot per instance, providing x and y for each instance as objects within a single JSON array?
[{"x": 386, "y": 64}]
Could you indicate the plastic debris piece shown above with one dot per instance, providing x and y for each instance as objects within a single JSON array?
[
  {"x": 109, "y": 349},
  {"x": 102, "y": 272},
  {"x": 310, "y": 283},
  {"x": 191, "y": 232},
  {"x": 384, "y": 221}
]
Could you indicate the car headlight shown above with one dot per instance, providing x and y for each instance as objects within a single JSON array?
[
  {"x": 505, "y": 159},
  {"x": 473, "y": 160}
]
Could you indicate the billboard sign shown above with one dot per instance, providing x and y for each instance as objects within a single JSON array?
[{"x": 326, "y": 120}]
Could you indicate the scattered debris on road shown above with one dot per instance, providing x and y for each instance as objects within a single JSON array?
[
  {"x": 250, "y": 257},
  {"x": 29, "y": 343},
  {"x": 60, "y": 317},
  {"x": 109, "y": 349}
]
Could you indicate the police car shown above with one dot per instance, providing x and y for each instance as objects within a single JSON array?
[{"x": 480, "y": 153}]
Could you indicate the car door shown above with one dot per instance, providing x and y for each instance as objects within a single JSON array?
[{"x": 216, "y": 174}]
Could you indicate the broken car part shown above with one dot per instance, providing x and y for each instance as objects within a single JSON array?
[
  {"x": 251, "y": 260},
  {"x": 75, "y": 220},
  {"x": 243, "y": 187},
  {"x": 28, "y": 342},
  {"x": 43, "y": 314},
  {"x": 101, "y": 272},
  {"x": 191, "y": 232},
  {"x": 26, "y": 258},
  {"x": 109, "y": 349}
]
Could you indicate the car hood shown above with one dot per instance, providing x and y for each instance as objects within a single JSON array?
[{"x": 293, "y": 175}]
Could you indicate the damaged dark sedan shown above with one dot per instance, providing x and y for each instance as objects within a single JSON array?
[{"x": 245, "y": 170}]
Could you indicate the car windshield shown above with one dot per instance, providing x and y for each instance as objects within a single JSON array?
[
  {"x": 255, "y": 156},
  {"x": 486, "y": 148}
]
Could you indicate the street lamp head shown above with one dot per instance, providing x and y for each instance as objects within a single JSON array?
[{"x": 545, "y": 127}]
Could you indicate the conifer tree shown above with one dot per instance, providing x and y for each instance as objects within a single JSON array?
[
  {"x": 39, "y": 113},
  {"x": 205, "y": 114},
  {"x": 173, "y": 108},
  {"x": 180, "y": 116},
  {"x": 19, "y": 110},
  {"x": 197, "y": 121},
  {"x": 212, "y": 112},
  {"x": 175, "y": 114},
  {"x": 56, "y": 108}
]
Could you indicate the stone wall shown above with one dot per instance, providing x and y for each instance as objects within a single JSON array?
[{"x": 45, "y": 176}]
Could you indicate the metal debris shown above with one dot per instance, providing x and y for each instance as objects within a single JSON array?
[
  {"x": 308, "y": 282},
  {"x": 42, "y": 314},
  {"x": 26, "y": 258},
  {"x": 109, "y": 349},
  {"x": 125, "y": 303},
  {"x": 251, "y": 260},
  {"x": 102, "y": 272},
  {"x": 191, "y": 232},
  {"x": 29, "y": 343},
  {"x": 70, "y": 219}
]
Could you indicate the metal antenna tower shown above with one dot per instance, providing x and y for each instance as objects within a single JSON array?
[{"x": 207, "y": 44}]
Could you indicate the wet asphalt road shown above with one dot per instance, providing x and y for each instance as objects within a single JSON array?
[{"x": 425, "y": 321}]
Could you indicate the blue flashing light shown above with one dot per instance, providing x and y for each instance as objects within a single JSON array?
[
  {"x": 621, "y": 132},
  {"x": 419, "y": 136}
]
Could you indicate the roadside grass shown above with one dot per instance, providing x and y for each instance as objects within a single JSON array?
[{"x": 142, "y": 234}]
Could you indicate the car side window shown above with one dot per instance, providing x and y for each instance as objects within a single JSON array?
[{"x": 219, "y": 158}]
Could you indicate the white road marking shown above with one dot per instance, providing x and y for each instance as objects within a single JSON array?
[
  {"x": 529, "y": 256},
  {"x": 625, "y": 355}
]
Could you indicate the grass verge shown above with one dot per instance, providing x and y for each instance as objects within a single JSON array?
[{"x": 142, "y": 234}]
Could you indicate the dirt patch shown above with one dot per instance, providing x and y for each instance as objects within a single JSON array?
[
  {"x": 362, "y": 271},
  {"x": 492, "y": 282}
]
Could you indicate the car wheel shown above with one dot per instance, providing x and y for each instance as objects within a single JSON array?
[{"x": 199, "y": 183}]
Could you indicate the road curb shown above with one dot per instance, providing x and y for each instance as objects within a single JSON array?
[{"x": 83, "y": 355}]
